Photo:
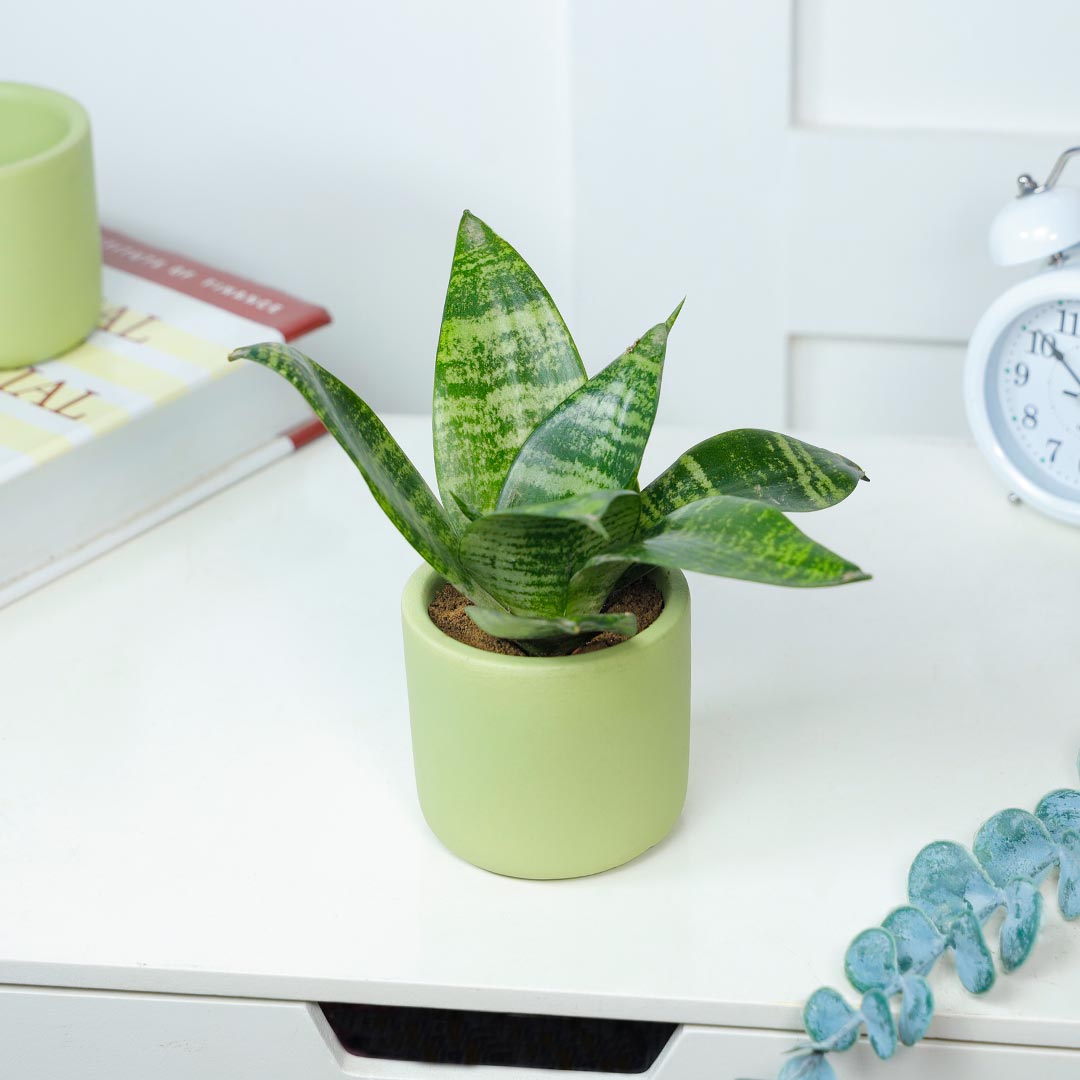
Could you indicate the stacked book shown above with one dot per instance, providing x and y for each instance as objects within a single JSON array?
[{"x": 145, "y": 417}]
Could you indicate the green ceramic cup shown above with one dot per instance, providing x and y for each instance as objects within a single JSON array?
[
  {"x": 550, "y": 768},
  {"x": 50, "y": 243}
]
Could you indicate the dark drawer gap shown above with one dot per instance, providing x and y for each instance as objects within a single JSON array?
[{"x": 524, "y": 1040}]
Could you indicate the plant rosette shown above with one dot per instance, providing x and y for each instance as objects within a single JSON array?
[{"x": 548, "y": 764}]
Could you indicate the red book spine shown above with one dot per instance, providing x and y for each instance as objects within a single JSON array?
[{"x": 271, "y": 307}]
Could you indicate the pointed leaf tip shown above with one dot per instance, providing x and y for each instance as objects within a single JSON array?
[
  {"x": 753, "y": 464},
  {"x": 245, "y": 352},
  {"x": 594, "y": 439},
  {"x": 472, "y": 232},
  {"x": 670, "y": 321},
  {"x": 728, "y": 536}
]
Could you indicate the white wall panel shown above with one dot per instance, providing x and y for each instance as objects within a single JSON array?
[
  {"x": 680, "y": 117},
  {"x": 861, "y": 386},
  {"x": 963, "y": 65},
  {"x": 887, "y": 231}
]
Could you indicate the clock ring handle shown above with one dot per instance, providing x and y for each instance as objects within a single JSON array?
[{"x": 1027, "y": 184}]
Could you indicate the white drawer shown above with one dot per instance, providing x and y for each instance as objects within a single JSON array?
[{"x": 48, "y": 1034}]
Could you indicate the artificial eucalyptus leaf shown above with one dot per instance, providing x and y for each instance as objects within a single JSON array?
[
  {"x": 1060, "y": 812},
  {"x": 1020, "y": 927},
  {"x": 916, "y": 1009},
  {"x": 945, "y": 882},
  {"x": 753, "y": 464},
  {"x": 919, "y": 945},
  {"x": 739, "y": 538},
  {"x": 813, "y": 1066},
  {"x": 505, "y": 360},
  {"x": 871, "y": 961},
  {"x": 393, "y": 479},
  {"x": 594, "y": 439},
  {"x": 880, "y": 1026},
  {"x": 531, "y": 628},
  {"x": 974, "y": 964},
  {"x": 526, "y": 557},
  {"x": 918, "y": 942},
  {"x": 1069, "y": 875},
  {"x": 1015, "y": 844},
  {"x": 830, "y": 1021}
]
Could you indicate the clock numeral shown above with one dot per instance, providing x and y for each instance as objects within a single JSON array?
[
  {"x": 1031, "y": 417},
  {"x": 1068, "y": 318},
  {"x": 1042, "y": 344},
  {"x": 1053, "y": 445},
  {"x": 1021, "y": 374}
]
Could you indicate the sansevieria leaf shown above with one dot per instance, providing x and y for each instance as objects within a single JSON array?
[
  {"x": 505, "y": 360},
  {"x": 753, "y": 464},
  {"x": 737, "y": 538},
  {"x": 526, "y": 557},
  {"x": 534, "y": 628},
  {"x": 593, "y": 583},
  {"x": 398, "y": 488},
  {"x": 595, "y": 438}
]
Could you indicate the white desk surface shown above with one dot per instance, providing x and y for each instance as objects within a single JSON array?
[{"x": 206, "y": 787}]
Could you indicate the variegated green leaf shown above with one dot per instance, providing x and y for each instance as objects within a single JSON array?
[
  {"x": 595, "y": 438},
  {"x": 526, "y": 557},
  {"x": 505, "y": 360},
  {"x": 753, "y": 464},
  {"x": 532, "y": 628},
  {"x": 594, "y": 582},
  {"x": 737, "y": 538},
  {"x": 398, "y": 488}
]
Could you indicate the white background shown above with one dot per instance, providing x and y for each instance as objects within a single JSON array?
[{"x": 817, "y": 177}]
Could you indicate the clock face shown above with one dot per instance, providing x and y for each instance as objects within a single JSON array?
[{"x": 1033, "y": 395}]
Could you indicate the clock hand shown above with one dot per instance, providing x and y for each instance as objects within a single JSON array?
[{"x": 1059, "y": 355}]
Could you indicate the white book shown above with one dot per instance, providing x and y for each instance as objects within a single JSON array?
[{"x": 144, "y": 418}]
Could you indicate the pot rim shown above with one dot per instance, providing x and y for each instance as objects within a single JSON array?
[{"x": 422, "y": 584}]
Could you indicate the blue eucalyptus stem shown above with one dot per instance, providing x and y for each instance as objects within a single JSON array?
[{"x": 952, "y": 892}]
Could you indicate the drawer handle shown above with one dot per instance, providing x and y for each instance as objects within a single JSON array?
[{"x": 522, "y": 1040}]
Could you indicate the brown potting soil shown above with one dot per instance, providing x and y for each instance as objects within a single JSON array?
[{"x": 447, "y": 610}]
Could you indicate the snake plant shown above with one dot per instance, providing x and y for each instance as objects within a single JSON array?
[{"x": 541, "y": 512}]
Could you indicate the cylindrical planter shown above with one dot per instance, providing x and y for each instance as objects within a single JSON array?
[
  {"x": 50, "y": 245},
  {"x": 550, "y": 767}
]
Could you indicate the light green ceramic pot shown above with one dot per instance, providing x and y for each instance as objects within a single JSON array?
[
  {"x": 550, "y": 767},
  {"x": 50, "y": 244}
]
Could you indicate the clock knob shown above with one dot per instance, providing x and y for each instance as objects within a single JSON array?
[{"x": 1041, "y": 221}]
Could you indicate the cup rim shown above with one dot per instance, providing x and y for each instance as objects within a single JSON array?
[{"x": 78, "y": 124}]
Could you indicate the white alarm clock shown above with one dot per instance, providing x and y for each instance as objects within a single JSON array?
[{"x": 1022, "y": 376}]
